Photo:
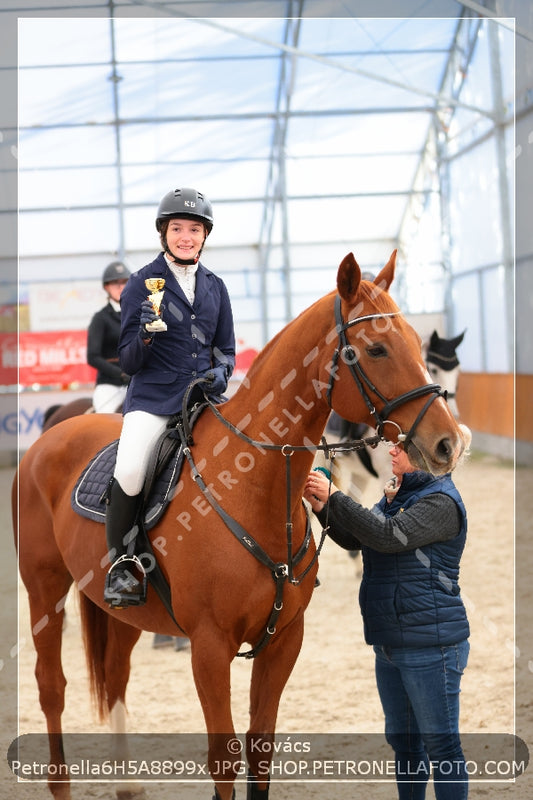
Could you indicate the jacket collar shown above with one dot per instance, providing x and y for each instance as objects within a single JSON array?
[{"x": 160, "y": 267}]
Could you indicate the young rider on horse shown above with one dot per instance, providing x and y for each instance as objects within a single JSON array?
[{"x": 199, "y": 341}]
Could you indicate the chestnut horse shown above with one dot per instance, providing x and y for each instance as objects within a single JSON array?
[{"x": 351, "y": 351}]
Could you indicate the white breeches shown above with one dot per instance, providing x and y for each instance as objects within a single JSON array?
[
  {"x": 108, "y": 398},
  {"x": 140, "y": 431}
]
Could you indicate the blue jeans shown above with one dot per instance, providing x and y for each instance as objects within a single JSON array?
[{"x": 419, "y": 691}]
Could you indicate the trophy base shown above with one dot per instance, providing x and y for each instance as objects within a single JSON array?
[{"x": 156, "y": 325}]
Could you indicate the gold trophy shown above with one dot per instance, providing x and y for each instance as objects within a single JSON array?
[{"x": 155, "y": 287}]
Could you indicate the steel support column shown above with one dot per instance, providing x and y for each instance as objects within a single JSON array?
[{"x": 276, "y": 190}]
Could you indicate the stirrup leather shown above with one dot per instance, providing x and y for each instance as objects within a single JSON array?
[{"x": 122, "y": 599}]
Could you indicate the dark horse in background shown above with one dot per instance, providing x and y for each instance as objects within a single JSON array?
[
  {"x": 239, "y": 557},
  {"x": 59, "y": 412}
]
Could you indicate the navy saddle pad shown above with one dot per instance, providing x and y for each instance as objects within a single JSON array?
[{"x": 88, "y": 496}]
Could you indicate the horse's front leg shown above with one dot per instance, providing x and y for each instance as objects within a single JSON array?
[
  {"x": 211, "y": 656},
  {"x": 271, "y": 670}
]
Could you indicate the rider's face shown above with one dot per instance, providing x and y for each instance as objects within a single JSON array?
[
  {"x": 400, "y": 462},
  {"x": 114, "y": 289},
  {"x": 185, "y": 238}
]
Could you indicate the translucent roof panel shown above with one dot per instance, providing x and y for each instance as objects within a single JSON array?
[
  {"x": 364, "y": 63},
  {"x": 366, "y": 35},
  {"x": 346, "y": 104},
  {"x": 377, "y": 134},
  {"x": 63, "y": 41},
  {"x": 190, "y": 40},
  {"x": 350, "y": 173},
  {"x": 189, "y": 142},
  {"x": 162, "y": 90},
  {"x": 338, "y": 219},
  {"x": 61, "y": 96},
  {"x": 310, "y": 136}
]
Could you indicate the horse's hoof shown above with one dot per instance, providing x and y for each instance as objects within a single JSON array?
[
  {"x": 216, "y": 796},
  {"x": 131, "y": 794}
]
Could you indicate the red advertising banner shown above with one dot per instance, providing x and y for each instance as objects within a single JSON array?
[
  {"x": 49, "y": 358},
  {"x": 46, "y": 358},
  {"x": 8, "y": 359}
]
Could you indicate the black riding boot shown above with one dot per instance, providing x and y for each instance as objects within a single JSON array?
[{"x": 125, "y": 583}]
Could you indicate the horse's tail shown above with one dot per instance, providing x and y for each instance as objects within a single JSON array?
[{"x": 94, "y": 626}]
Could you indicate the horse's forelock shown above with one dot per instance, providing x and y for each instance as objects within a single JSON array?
[{"x": 371, "y": 299}]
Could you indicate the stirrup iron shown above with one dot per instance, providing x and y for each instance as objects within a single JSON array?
[{"x": 124, "y": 599}]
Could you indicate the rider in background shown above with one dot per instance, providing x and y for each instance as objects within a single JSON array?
[
  {"x": 198, "y": 343},
  {"x": 102, "y": 343},
  {"x": 413, "y": 614}
]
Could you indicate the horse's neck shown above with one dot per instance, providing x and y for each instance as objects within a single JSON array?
[
  {"x": 281, "y": 401},
  {"x": 293, "y": 416}
]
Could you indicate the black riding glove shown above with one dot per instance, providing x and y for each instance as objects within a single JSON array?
[
  {"x": 148, "y": 315},
  {"x": 217, "y": 380}
]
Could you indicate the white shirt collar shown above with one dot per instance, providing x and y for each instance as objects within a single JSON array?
[{"x": 185, "y": 276}]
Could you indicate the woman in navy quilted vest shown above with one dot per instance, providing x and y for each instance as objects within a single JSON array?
[
  {"x": 189, "y": 337},
  {"x": 413, "y": 615}
]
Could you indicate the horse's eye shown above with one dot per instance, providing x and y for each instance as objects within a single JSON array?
[{"x": 376, "y": 351}]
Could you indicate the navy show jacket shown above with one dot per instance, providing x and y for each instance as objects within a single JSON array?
[{"x": 199, "y": 336}]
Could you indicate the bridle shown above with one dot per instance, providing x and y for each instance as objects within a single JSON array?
[{"x": 364, "y": 384}]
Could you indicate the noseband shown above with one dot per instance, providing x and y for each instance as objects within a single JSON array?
[{"x": 364, "y": 384}]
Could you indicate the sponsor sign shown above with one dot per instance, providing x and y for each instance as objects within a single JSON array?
[{"x": 46, "y": 358}]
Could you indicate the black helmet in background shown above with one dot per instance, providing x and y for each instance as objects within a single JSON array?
[
  {"x": 116, "y": 271},
  {"x": 186, "y": 204}
]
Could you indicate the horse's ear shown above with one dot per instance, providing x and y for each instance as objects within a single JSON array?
[
  {"x": 434, "y": 339},
  {"x": 385, "y": 277},
  {"x": 458, "y": 339},
  {"x": 348, "y": 278}
]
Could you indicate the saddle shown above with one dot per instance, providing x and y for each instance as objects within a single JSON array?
[{"x": 89, "y": 495}]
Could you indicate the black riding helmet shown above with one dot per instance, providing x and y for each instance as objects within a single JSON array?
[
  {"x": 116, "y": 271},
  {"x": 185, "y": 203}
]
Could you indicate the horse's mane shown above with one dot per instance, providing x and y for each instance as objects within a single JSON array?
[{"x": 273, "y": 342}]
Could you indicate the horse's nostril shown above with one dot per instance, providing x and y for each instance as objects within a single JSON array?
[{"x": 444, "y": 450}]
